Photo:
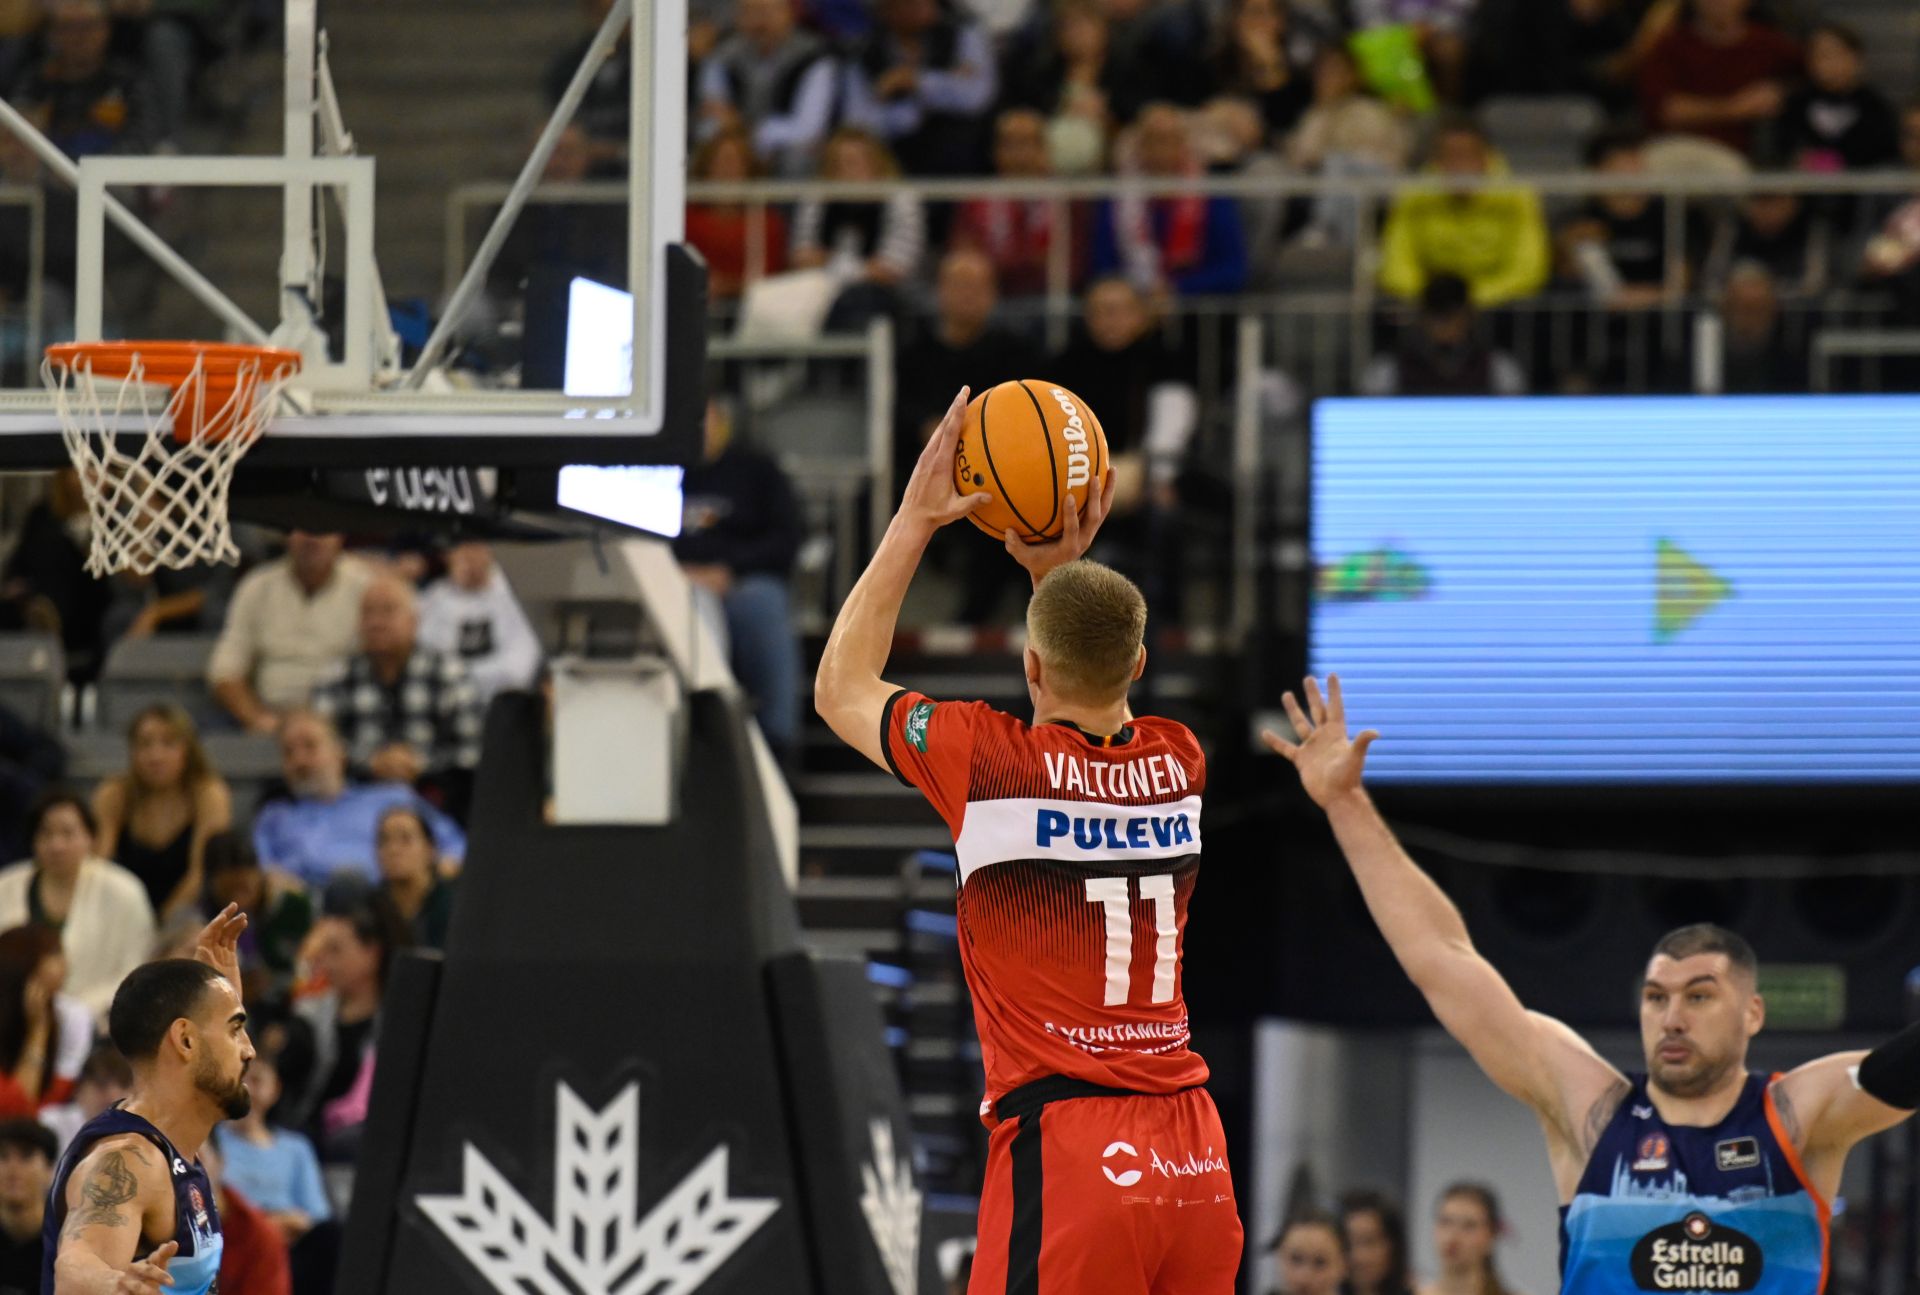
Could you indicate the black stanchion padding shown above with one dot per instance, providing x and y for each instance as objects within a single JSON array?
[
  {"x": 841, "y": 1083},
  {"x": 406, "y": 1021},
  {"x": 596, "y": 957}
]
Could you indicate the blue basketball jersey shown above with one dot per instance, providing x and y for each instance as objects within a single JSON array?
[
  {"x": 196, "y": 1269},
  {"x": 1681, "y": 1208}
]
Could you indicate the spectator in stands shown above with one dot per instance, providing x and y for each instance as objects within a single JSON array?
[
  {"x": 330, "y": 826},
  {"x": 1551, "y": 48},
  {"x": 775, "y": 80},
  {"x": 1758, "y": 360},
  {"x": 45, "y": 585},
  {"x": 279, "y": 913},
  {"x": 291, "y": 625},
  {"x": 1892, "y": 255},
  {"x": 406, "y": 712},
  {"x": 723, "y": 232},
  {"x": 279, "y": 1171},
  {"x": 31, "y": 760},
  {"x": 1149, "y": 407},
  {"x": 1072, "y": 77},
  {"x": 169, "y": 600},
  {"x": 276, "y": 1167},
  {"x": 1467, "y": 1226},
  {"x": 100, "y": 909},
  {"x": 20, "y": 22},
  {"x": 1444, "y": 352},
  {"x": 27, "y": 1152},
  {"x": 156, "y": 817},
  {"x": 84, "y": 101},
  {"x": 924, "y": 81},
  {"x": 1718, "y": 73},
  {"x": 558, "y": 241},
  {"x": 604, "y": 112},
  {"x": 352, "y": 949},
  {"x": 473, "y": 615},
  {"x": 1310, "y": 1255},
  {"x": 1176, "y": 243},
  {"x": 871, "y": 246},
  {"x": 1018, "y": 234},
  {"x": 964, "y": 347},
  {"x": 1230, "y": 138},
  {"x": 1376, "y": 1245},
  {"x": 1837, "y": 122},
  {"x": 44, "y": 1034},
  {"x": 411, "y": 875},
  {"x": 1345, "y": 133},
  {"x": 1440, "y": 27},
  {"x": 177, "y": 37},
  {"x": 105, "y": 1078},
  {"x": 1617, "y": 246},
  {"x": 1495, "y": 239},
  {"x": 1254, "y": 59},
  {"x": 253, "y": 1255},
  {"x": 741, "y": 527},
  {"x": 1780, "y": 231}
]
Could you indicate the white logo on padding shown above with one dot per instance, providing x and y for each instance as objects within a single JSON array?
[
  {"x": 892, "y": 1205},
  {"x": 598, "y": 1238},
  {"x": 1127, "y": 1178}
]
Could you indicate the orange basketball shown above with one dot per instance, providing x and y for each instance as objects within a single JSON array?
[{"x": 1029, "y": 444}]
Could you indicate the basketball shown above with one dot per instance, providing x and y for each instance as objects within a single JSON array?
[{"x": 1029, "y": 444}]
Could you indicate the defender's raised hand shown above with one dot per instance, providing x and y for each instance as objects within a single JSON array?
[
  {"x": 931, "y": 501},
  {"x": 219, "y": 943},
  {"x": 1330, "y": 764},
  {"x": 1077, "y": 530}
]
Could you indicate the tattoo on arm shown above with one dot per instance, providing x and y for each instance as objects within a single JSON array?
[
  {"x": 1600, "y": 1114},
  {"x": 1789, "y": 1117},
  {"x": 107, "y": 1186}
]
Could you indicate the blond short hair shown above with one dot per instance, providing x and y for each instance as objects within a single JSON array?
[{"x": 1087, "y": 623}]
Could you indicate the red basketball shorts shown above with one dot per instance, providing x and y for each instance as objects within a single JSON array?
[{"x": 1109, "y": 1195}]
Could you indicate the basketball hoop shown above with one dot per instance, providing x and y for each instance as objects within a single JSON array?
[{"x": 155, "y": 430}]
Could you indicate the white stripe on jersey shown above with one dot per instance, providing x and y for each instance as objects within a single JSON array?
[{"x": 995, "y": 831}]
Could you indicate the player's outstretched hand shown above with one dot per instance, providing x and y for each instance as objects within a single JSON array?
[
  {"x": 219, "y": 943},
  {"x": 149, "y": 1275},
  {"x": 1077, "y": 530},
  {"x": 931, "y": 499},
  {"x": 1330, "y": 764}
]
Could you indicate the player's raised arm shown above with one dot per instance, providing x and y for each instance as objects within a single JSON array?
[
  {"x": 1532, "y": 1057},
  {"x": 118, "y": 1195},
  {"x": 848, "y": 691},
  {"x": 1830, "y": 1104}
]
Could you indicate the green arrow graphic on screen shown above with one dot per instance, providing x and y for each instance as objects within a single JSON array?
[{"x": 1684, "y": 590}]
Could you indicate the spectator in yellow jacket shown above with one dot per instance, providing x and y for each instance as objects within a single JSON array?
[{"x": 1495, "y": 239}]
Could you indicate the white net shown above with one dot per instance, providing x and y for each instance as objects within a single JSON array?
[{"x": 156, "y": 459}]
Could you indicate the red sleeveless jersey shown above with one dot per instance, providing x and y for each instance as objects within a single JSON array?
[{"x": 1077, "y": 858}]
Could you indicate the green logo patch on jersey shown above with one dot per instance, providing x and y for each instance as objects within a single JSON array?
[{"x": 916, "y": 727}]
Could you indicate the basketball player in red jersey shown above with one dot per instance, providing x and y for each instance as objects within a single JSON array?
[{"x": 1078, "y": 842}]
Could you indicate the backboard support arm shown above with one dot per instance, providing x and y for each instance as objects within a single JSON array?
[{"x": 136, "y": 229}]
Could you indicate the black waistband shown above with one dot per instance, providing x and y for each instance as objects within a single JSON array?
[{"x": 1026, "y": 1100}]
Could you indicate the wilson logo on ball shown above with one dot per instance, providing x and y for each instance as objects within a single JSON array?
[{"x": 1031, "y": 445}]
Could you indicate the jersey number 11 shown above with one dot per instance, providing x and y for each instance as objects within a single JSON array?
[{"x": 1116, "y": 896}]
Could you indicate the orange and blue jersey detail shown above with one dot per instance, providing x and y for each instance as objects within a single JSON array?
[
  {"x": 1077, "y": 858},
  {"x": 1681, "y": 1208}
]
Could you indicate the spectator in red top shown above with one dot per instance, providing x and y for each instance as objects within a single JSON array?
[
  {"x": 44, "y": 1035},
  {"x": 1718, "y": 73},
  {"x": 723, "y": 231},
  {"x": 1017, "y": 233}
]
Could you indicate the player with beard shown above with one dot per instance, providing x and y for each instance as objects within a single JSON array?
[
  {"x": 131, "y": 1211},
  {"x": 1695, "y": 1176}
]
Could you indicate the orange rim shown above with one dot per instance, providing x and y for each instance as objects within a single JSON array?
[{"x": 167, "y": 362}]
